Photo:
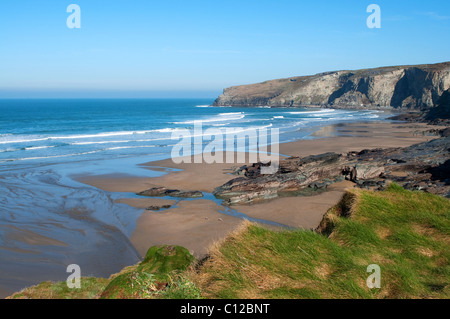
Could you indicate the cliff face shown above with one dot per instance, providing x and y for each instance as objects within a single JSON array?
[{"x": 408, "y": 87}]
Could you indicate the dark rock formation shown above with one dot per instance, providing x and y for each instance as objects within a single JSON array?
[
  {"x": 156, "y": 208},
  {"x": 407, "y": 87},
  {"x": 163, "y": 191},
  {"x": 439, "y": 115},
  {"x": 424, "y": 166}
]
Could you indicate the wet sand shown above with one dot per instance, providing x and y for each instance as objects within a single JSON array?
[
  {"x": 298, "y": 212},
  {"x": 192, "y": 224},
  {"x": 197, "y": 224},
  {"x": 355, "y": 137}
]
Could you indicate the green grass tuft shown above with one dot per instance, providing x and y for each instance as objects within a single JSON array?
[
  {"x": 91, "y": 288},
  {"x": 153, "y": 277}
]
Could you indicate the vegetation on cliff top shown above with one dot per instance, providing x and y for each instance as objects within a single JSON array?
[
  {"x": 154, "y": 276},
  {"x": 406, "y": 233}
]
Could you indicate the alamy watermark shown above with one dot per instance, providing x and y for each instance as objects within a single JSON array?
[
  {"x": 74, "y": 280},
  {"x": 374, "y": 280},
  {"x": 227, "y": 145},
  {"x": 374, "y": 20},
  {"x": 74, "y": 19}
]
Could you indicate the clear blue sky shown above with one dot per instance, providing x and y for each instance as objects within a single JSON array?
[{"x": 197, "y": 48}]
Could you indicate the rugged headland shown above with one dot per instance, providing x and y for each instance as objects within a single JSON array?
[{"x": 416, "y": 87}]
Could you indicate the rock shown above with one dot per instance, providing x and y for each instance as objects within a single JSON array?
[
  {"x": 353, "y": 174},
  {"x": 318, "y": 185},
  {"x": 163, "y": 191},
  {"x": 445, "y": 132},
  {"x": 187, "y": 194},
  {"x": 422, "y": 166},
  {"x": 157, "y": 192},
  {"x": 438, "y": 115},
  {"x": 156, "y": 208},
  {"x": 367, "y": 171},
  {"x": 367, "y": 184},
  {"x": 294, "y": 175},
  {"x": 407, "y": 117}
]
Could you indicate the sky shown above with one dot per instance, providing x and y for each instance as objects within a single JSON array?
[{"x": 196, "y": 48}]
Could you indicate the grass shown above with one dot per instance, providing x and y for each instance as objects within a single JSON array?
[
  {"x": 153, "y": 277},
  {"x": 405, "y": 233},
  {"x": 91, "y": 288}
]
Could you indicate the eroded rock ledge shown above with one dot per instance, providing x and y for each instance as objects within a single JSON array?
[
  {"x": 163, "y": 191},
  {"x": 424, "y": 166}
]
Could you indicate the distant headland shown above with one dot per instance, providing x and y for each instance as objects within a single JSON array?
[{"x": 415, "y": 87}]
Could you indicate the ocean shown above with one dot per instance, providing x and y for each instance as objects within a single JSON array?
[
  {"x": 48, "y": 220},
  {"x": 42, "y": 132}
]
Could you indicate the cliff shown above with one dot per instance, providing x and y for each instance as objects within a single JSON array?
[{"x": 415, "y": 87}]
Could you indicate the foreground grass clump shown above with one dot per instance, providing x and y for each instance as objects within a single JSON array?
[
  {"x": 157, "y": 276},
  {"x": 405, "y": 233}
]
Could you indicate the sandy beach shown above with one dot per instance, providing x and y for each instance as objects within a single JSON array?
[{"x": 197, "y": 224}]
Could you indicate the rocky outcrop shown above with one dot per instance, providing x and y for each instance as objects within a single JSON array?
[
  {"x": 163, "y": 191},
  {"x": 424, "y": 166},
  {"x": 156, "y": 207},
  {"x": 439, "y": 115},
  {"x": 405, "y": 87}
]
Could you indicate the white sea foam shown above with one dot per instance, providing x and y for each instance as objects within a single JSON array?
[
  {"x": 8, "y": 150},
  {"x": 230, "y": 113},
  {"x": 86, "y": 136},
  {"x": 222, "y": 117},
  {"x": 313, "y": 112},
  {"x": 169, "y": 130},
  {"x": 47, "y": 157},
  {"x": 38, "y": 147},
  {"x": 118, "y": 142},
  {"x": 128, "y": 147}
]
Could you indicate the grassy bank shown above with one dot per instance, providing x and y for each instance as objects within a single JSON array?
[{"x": 405, "y": 233}]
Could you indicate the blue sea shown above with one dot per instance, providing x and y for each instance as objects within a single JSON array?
[
  {"x": 42, "y": 132},
  {"x": 44, "y": 143}
]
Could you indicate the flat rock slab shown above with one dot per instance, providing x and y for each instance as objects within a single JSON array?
[{"x": 163, "y": 191}]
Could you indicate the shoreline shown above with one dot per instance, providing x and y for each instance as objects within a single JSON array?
[{"x": 198, "y": 223}]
